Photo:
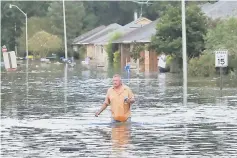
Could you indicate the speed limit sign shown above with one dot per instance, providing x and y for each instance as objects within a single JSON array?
[{"x": 221, "y": 58}]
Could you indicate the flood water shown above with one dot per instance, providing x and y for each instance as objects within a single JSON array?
[{"x": 58, "y": 111}]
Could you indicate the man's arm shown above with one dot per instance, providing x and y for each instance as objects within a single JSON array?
[{"x": 104, "y": 106}]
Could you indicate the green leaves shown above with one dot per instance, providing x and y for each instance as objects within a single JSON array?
[
  {"x": 168, "y": 38},
  {"x": 136, "y": 50},
  {"x": 110, "y": 47},
  {"x": 12, "y": 17},
  {"x": 223, "y": 36},
  {"x": 35, "y": 24},
  {"x": 43, "y": 43},
  {"x": 74, "y": 12},
  {"x": 204, "y": 65}
]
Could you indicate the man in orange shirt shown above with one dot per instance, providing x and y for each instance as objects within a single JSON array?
[{"x": 120, "y": 98}]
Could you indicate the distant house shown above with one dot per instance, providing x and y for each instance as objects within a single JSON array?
[
  {"x": 101, "y": 42},
  {"x": 221, "y": 9},
  {"x": 97, "y": 39},
  {"x": 141, "y": 35},
  {"x": 77, "y": 40},
  {"x": 90, "y": 49}
]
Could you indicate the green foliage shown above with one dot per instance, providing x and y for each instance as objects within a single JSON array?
[
  {"x": 74, "y": 12},
  {"x": 224, "y": 36},
  {"x": 169, "y": 60},
  {"x": 136, "y": 50},
  {"x": 102, "y": 12},
  {"x": 109, "y": 51},
  {"x": 204, "y": 65},
  {"x": 82, "y": 52},
  {"x": 11, "y": 17},
  {"x": 110, "y": 46},
  {"x": 168, "y": 37},
  {"x": 116, "y": 57},
  {"x": 221, "y": 35},
  {"x": 43, "y": 43},
  {"x": 35, "y": 24},
  {"x": 158, "y": 8}
]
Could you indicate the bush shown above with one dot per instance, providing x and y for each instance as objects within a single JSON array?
[
  {"x": 136, "y": 50},
  {"x": 43, "y": 43},
  {"x": 82, "y": 52},
  {"x": 116, "y": 57},
  {"x": 204, "y": 65},
  {"x": 110, "y": 47},
  {"x": 233, "y": 62},
  {"x": 223, "y": 35},
  {"x": 169, "y": 60}
]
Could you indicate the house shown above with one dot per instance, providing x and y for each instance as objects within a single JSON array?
[
  {"x": 84, "y": 36},
  {"x": 101, "y": 42},
  {"x": 139, "y": 36},
  {"x": 221, "y": 9},
  {"x": 90, "y": 49},
  {"x": 97, "y": 39}
]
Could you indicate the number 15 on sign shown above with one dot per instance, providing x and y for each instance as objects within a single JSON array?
[{"x": 221, "y": 59}]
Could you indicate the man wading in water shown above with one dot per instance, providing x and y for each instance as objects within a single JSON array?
[{"x": 120, "y": 98}]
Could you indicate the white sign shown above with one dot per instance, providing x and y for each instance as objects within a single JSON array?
[{"x": 221, "y": 59}]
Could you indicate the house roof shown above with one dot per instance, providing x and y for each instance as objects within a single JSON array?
[
  {"x": 100, "y": 33},
  {"x": 220, "y": 9},
  {"x": 89, "y": 33},
  {"x": 141, "y": 35},
  {"x": 123, "y": 30}
]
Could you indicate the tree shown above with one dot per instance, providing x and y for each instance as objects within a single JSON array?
[
  {"x": 157, "y": 9},
  {"x": 74, "y": 12},
  {"x": 168, "y": 37},
  {"x": 106, "y": 13},
  {"x": 35, "y": 24},
  {"x": 43, "y": 43},
  {"x": 110, "y": 47},
  {"x": 12, "y": 20},
  {"x": 224, "y": 36}
]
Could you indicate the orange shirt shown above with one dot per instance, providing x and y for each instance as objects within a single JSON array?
[{"x": 120, "y": 109}]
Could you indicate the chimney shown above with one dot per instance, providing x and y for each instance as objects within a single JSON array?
[{"x": 135, "y": 15}]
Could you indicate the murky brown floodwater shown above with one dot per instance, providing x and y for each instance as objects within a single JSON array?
[{"x": 59, "y": 112}]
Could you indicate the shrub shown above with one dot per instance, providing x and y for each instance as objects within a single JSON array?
[
  {"x": 169, "y": 60},
  {"x": 116, "y": 57},
  {"x": 204, "y": 65},
  {"x": 110, "y": 47}
]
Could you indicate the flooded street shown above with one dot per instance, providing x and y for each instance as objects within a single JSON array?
[{"x": 60, "y": 106}]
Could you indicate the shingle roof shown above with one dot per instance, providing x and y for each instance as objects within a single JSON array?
[
  {"x": 141, "y": 35},
  {"x": 123, "y": 30},
  {"x": 89, "y": 33},
  {"x": 220, "y": 9},
  {"x": 103, "y": 32}
]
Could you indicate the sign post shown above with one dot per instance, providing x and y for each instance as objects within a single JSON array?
[{"x": 221, "y": 60}]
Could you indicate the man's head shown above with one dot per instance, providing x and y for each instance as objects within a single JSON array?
[{"x": 117, "y": 81}]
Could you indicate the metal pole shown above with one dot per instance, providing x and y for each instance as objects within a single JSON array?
[
  {"x": 27, "y": 62},
  {"x": 27, "y": 53},
  {"x": 184, "y": 53},
  {"x": 65, "y": 30}
]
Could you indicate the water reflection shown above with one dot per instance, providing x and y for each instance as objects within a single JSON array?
[
  {"x": 27, "y": 81},
  {"x": 65, "y": 84},
  {"x": 120, "y": 134}
]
